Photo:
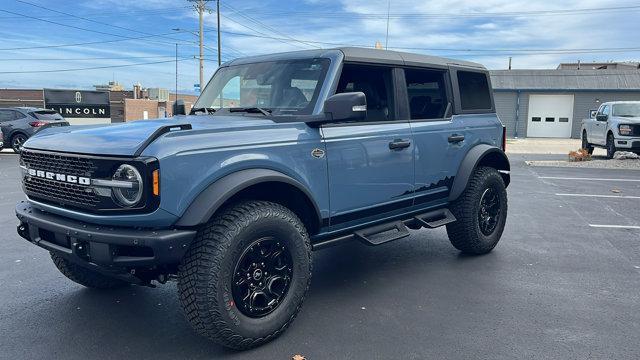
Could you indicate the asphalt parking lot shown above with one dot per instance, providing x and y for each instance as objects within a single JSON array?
[{"x": 563, "y": 283}]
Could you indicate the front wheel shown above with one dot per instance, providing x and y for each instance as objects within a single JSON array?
[
  {"x": 611, "y": 146},
  {"x": 481, "y": 213},
  {"x": 245, "y": 276}
]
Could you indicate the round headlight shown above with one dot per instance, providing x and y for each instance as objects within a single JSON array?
[{"x": 128, "y": 196}]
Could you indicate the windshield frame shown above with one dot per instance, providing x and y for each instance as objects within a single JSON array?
[{"x": 325, "y": 82}]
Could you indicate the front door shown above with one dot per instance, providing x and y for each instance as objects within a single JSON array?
[{"x": 370, "y": 163}]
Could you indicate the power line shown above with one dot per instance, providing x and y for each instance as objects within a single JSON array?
[
  {"x": 88, "y": 58},
  {"x": 82, "y": 43},
  {"x": 94, "y": 21},
  {"x": 111, "y": 13},
  {"x": 90, "y": 68}
]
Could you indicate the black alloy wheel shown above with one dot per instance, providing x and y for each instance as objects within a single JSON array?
[
  {"x": 489, "y": 211},
  {"x": 611, "y": 147},
  {"x": 262, "y": 276}
]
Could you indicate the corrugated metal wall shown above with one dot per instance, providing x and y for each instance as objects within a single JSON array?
[{"x": 583, "y": 102}]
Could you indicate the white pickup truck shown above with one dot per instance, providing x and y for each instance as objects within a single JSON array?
[{"x": 615, "y": 126}]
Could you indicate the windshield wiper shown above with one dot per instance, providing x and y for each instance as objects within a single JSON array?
[
  {"x": 628, "y": 115},
  {"x": 205, "y": 110},
  {"x": 253, "y": 110}
]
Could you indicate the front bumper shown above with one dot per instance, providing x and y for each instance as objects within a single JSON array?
[
  {"x": 113, "y": 248},
  {"x": 628, "y": 143}
]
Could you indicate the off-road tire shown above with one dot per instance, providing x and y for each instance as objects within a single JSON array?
[
  {"x": 585, "y": 143},
  {"x": 611, "y": 146},
  {"x": 465, "y": 233},
  {"x": 86, "y": 277},
  {"x": 205, "y": 274}
]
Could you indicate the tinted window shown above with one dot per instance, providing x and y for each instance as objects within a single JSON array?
[
  {"x": 6, "y": 115},
  {"x": 427, "y": 94},
  {"x": 375, "y": 83},
  {"x": 474, "y": 91},
  {"x": 46, "y": 115}
]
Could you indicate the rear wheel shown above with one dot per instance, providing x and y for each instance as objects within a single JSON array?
[
  {"x": 481, "y": 213},
  {"x": 585, "y": 143},
  {"x": 84, "y": 276},
  {"x": 611, "y": 146},
  {"x": 17, "y": 141},
  {"x": 245, "y": 276}
]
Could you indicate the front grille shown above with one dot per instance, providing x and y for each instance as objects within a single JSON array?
[
  {"x": 55, "y": 191},
  {"x": 635, "y": 130}
]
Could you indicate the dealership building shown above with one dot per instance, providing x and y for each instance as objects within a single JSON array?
[{"x": 552, "y": 103}]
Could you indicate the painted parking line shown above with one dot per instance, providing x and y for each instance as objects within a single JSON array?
[
  {"x": 584, "y": 178},
  {"x": 615, "y": 226},
  {"x": 602, "y": 196}
]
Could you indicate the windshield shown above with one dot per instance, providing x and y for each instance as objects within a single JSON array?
[
  {"x": 288, "y": 87},
  {"x": 626, "y": 110}
]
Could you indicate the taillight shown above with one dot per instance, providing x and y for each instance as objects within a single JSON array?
[
  {"x": 38, "y": 123},
  {"x": 504, "y": 138}
]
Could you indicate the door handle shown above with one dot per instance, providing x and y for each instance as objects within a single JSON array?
[
  {"x": 399, "y": 144},
  {"x": 455, "y": 138}
]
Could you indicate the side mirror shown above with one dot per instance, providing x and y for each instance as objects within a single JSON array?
[
  {"x": 179, "y": 108},
  {"x": 602, "y": 117},
  {"x": 593, "y": 113},
  {"x": 350, "y": 106}
]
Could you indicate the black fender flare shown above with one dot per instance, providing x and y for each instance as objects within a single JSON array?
[
  {"x": 478, "y": 154},
  {"x": 216, "y": 194}
]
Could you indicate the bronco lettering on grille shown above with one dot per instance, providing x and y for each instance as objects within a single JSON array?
[{"x": 72, "y": 179}]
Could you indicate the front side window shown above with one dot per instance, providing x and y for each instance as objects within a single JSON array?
[
  {"x": 474, "y": 90},
  {"x": 288, "y": 87},
  {"x": 375, "y": 83},
  {"x": 427, "y": 93},
  {"x": 6, "y": 115}
]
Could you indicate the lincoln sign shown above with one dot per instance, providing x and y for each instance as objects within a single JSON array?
[{"x": 78, "y": 104}]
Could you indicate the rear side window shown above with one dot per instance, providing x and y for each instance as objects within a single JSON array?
[
  {"x": 7, "y": 115},
  {"x": 427, "y": 94},
  {"x": 474, "y": 90}
]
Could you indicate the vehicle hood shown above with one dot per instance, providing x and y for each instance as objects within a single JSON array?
[
  {"x": 124, "y": 139},
  {"x": 627, "y": 120}
]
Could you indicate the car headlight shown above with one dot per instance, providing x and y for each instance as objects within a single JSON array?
[
  {"x": 130, "y": 185},
  {"x": 624, "y": 129}
]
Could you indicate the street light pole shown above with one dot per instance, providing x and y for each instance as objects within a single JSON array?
[
  {"x": 201, "y": 6},
  {"x": 176, "y": 100}
]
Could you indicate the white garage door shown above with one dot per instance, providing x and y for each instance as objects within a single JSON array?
[{"x": 550, "y": 116}]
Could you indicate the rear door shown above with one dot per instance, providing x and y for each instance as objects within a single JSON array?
[
  {"x": 370, "y": 163},
  {"x": 429, "y": 104}
]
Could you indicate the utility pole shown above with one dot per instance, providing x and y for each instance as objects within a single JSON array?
[
  {"x": 386, "y": 40},
  {"x": 201, "y": 7},
  {"x": 219, "y": 44},
  {"x": 176, "y": 100}
]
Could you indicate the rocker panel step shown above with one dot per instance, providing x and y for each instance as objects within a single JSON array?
[
  {"x": 381, "y": 234},
  {"x": 434, "y": 219}
]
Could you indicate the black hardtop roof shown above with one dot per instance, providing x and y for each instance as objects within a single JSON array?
[{"x": 364, "y": 55}]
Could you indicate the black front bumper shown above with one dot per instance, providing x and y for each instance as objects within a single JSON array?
[{"x": 114, "y": 248}]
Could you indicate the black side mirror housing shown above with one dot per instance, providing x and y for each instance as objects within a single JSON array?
[
  {"x": 602, "y": 117},
  {"x": 179, "y": 108},
  {"x": 351, "y": 106}
]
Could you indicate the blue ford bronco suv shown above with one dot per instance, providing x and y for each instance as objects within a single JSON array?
[{"x": 281, "y": 155}]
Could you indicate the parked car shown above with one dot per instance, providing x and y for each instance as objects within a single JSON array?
[
  {"x": 614, "y": 126},
  {"x": 20, "y": 123},
  {"x": 325, "y": 146}
]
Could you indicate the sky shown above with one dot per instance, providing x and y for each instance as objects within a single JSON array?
[{"x": 134, "y": 41}]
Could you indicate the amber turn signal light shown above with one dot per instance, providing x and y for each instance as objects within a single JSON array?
[{"x": 156, "y": 182}]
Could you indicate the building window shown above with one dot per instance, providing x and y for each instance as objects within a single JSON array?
[
  {"x": 550, "y": 119},
  {"x": 563, "y": 119},
  {"x": 474, "y": 90},
  {"x": 536, "y": 119}
]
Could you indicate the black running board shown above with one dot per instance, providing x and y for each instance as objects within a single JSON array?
[
  {"x": 434, "y": 219},
  {"x": 386, "y": 232},
  {"x": 381, "y": 234}
]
